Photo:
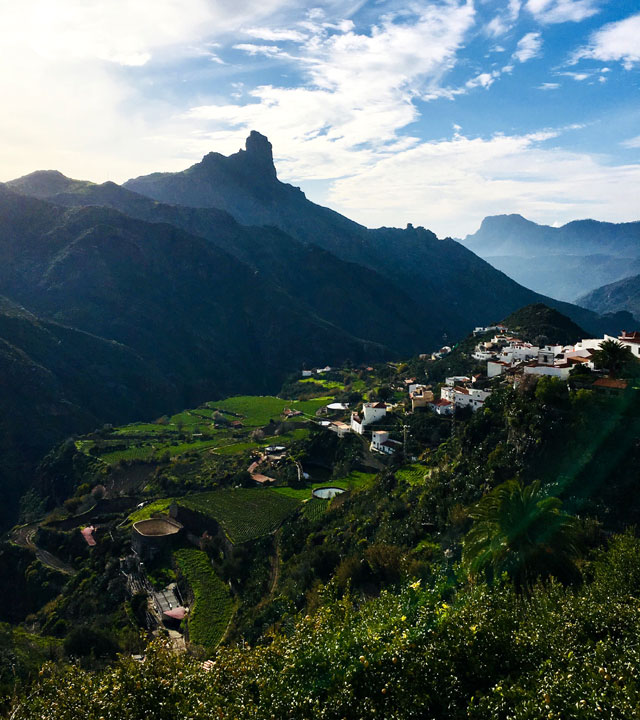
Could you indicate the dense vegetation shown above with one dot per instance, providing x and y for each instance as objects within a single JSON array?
[
  {"x": 425, "y": 650},
  {"x": 489, "y": 574}
]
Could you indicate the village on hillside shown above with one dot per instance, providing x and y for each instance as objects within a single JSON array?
[{"x": 506, "y": 358}]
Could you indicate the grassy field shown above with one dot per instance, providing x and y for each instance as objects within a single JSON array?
[
  {"x": 144, "y": 513},
  {"x": 412, "y": 474},
  {"x": 256, "y": 411},
  {"x": 243, "y": 514},
  {"x": 328, "y": 384},
  {"x": 212, "y": 608}
]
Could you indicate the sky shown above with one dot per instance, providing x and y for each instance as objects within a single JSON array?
[{"x": 434, "y": 113}]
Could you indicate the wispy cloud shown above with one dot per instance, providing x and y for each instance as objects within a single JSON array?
[
  {"x": 618, "y": 41},
  {"x": 357, "y": 93},
  {"x": 549, "y": 86},
  {"x": 559, "y": 11},
  {"x": 451, "y": 185},
  {"x": 528, "y": 47},
  {"x": 631, "y": 142}
]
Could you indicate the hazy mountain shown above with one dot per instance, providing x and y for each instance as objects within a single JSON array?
[
  {"x": 563, "y": 262},
  {"x": 621, "y": 295}
]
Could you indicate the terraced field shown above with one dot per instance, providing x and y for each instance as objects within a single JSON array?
[
  {"x": 212, "y": 608},
  {"x": 243, "y": 514},
  {"x": 256, "y": 411},
  {"x": 412, "y": 474}
]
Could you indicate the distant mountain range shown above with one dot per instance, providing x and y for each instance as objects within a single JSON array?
[
  {"x": 181, "y": 287},
  {"x": 563, "y": 262},
  {"x": 617, "y": 296}
]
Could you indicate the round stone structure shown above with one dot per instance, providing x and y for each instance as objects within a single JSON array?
[{"x": 151, "y": 537}]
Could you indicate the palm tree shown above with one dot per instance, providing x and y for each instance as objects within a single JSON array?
[
  {"x": 520, "y": 531},
  {"x": 613, "y": 356}
]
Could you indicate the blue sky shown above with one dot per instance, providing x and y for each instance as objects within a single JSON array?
[{"x": 435, "y": 113}]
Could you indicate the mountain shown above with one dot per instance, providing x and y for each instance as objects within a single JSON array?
[
  {"x": 45, "y": 183},
  {"x": 56, "y": 381},
  {"x": 108, "y": 318},
  {"x": 563, "y": 262},
  {"x": 442, "y": 275},
  {"x": 621, "y": 295},
  {"x": 538, "y": 320}
]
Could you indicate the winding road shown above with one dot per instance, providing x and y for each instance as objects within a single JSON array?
[{"x": 25, "y": 537}]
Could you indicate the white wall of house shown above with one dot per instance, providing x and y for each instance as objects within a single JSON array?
[
  {"x": 551, "y": 370},
  {"x": 372, "y": 413}
]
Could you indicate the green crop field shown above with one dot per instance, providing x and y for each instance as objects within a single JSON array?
[
  {"x": 144, "y": 513},
  {"x": 243, "y": 514},
  {"x": 315, "y": 508},
  {"x": 328, "y": 384},
  {"x": 259, "y": 410},
  {"x": 412, "y": 474},
  {"x": 212, "y": 608}
]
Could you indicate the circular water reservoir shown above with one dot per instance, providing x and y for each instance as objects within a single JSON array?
[{"x": 326, "y": 493}]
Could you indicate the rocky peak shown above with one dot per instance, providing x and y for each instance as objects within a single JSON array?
[{"x": 260, "y": 152}]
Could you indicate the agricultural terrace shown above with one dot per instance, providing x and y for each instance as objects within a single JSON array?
[
  {"x": 149, "y": 510},
  {"x": 412, "y": 474},
  {"x": 203, "y": 429},
  {"x": 212, "y": 607},
  {"x": 243, "y": 514},
  {"x": 255, "y": 411}
]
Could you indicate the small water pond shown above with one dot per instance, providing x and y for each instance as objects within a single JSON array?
[{"x": 326, "y": 493}]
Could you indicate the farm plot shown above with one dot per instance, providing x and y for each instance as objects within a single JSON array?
[
  {"x": 256, "y": 411},
  {"x": 243, "y": 514},
  {"x": 212, "y": 608},
  {"x": 412, "y": 474},
  {"x": 315, "y": 508}
]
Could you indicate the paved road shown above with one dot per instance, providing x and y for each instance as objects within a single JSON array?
[{"x": 25, "y": 537}]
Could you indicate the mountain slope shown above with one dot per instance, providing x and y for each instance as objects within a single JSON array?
[
  {"x": 56, "y": 381},
  {"x": 538, "y": 320},
  {"x": 457, "y": 287},
  {"x": 621, "y": 295},
  {"x": 343, "y": 293}
]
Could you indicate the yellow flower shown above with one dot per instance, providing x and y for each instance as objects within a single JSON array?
[
  {"x": 415, "y": 585},
  {"x": 403, "y": 618}
]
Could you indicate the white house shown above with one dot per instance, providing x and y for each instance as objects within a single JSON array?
[
  {"x": 442, "y": 407},
  {"x": 497, "y": 367},
  {"x": 371, "y": 412},
  {"x": 457, "y": 380},
  {"x": 307, "y": 373},
  {"x": 380, "y": 443},
  {"x": 340, "y": 428}
]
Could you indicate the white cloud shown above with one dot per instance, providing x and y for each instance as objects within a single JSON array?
[
  {"x": 559, "y": 11},
  {"x": 358, "y": 91},
  {"x": 275, "y": 35},
  {"x": 616, "y": 41},
  {"x": 449, "y": 186},
  {"x": 528, "y": 47},
  {"x": 484, "y": 80},
  {"x": 633, "y": 142},
  {"x": 549, "y": 86},
  {"x": 496, "y": 27}
]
